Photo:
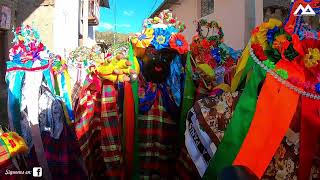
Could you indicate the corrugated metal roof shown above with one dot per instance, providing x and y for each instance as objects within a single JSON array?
[{"x": 165, "y": 5}]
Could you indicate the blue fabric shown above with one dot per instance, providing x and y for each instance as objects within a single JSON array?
[
  {"x": 14, "y": 80},
  {"x": 66, "y": 97},
  {"x": 174, "y": 80}
]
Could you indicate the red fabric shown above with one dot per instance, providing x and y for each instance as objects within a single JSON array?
[
  {"x": 129, "y": 114},
  {"x": 28, "y": 69},
  {"x": 310, "y": 133},
  {"x": 310, "y": 125}
]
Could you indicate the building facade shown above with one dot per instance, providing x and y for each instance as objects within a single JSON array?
[
  {"x": 237, "y": 17},
  {"x": 63, "y": 26}
]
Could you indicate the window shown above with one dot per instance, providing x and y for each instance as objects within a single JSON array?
[{"x": 207, "y": 7}]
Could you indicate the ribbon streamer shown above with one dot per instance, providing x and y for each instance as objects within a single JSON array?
[
  {"x": 276, "y": 107},
  {"x": 239, "y": 124}
]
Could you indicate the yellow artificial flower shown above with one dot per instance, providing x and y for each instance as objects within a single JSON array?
[
  {"x": 161, "y": 39},
  {"x": 143, "y": 40},
  {"x": 312, "y": 58},
  {"x": 261, "y": 36}
]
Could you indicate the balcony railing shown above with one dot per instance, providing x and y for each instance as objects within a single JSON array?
[{"x": 94, "y": 12}]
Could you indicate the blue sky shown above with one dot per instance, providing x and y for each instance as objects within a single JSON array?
[{"x": 129, "y": 15}]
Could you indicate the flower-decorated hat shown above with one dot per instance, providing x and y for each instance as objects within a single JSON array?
[
  {"x": 213, "y": 59},
  {"x": 162, "y": 31},
  {"x": 27, "y": 45}
]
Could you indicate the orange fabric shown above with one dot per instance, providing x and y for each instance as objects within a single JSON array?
[
  {"x": 275, "y": 109},
  {"x": 129, "y": 114}
]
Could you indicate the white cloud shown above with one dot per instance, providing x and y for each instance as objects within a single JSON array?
[
  {"x": 128, "y": 13},
  {"x": 124, "y": 25},
  {"x": 106, "y": 26}
]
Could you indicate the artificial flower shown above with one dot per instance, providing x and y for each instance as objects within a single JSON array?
[
  {"x": 269, "y": 64},
  {"x": 317, "y": 87},
  {"x": 143, "y": 40},
  {"x": 172, "y": 29},
  {"x": 255, "y": 30},
  {"x": 161, "y": 38},
  {"x": 282, "y": 73},
  {"x": 271, "y": 33},
  {"x": 179, "y": 43},
  {"x": 290, "y": 53},
  {"x": 312, "y": 58},
  {"x": 258, "y": 51},
  {"x": 195, "y": 48},
  {"x": 205, "y": 43},
  {"x": 216, "y": 55},
  {"x": 280, "y": 41}
]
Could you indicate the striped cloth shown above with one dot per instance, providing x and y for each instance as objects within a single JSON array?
[
  {"x": 75, "y": 94},
  {"x": 186, "y": 170},
  {"x": 4, "y": 153},
  {"x": 99, "y": 129},
  {"x": 158, "y": 135}
]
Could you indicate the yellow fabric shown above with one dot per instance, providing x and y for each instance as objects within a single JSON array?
[
  {"x": 257, "y": 37},
  {"x": 206, "y": 69},
  {"x": 224, "y": 87}
]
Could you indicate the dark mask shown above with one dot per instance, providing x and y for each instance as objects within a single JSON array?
[{"x": 156, "y": 65}]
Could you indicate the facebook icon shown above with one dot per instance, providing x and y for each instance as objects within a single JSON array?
[{"x": 37, "y": 172}]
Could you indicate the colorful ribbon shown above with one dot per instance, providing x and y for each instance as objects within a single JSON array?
[
  {"x": 129, "y": 123},
  {"x": 275, "y": 109},
  {"x": 188, "y": 98},
  {"x": 135, "y": 87},
  {"x": 239, "y": 124}
]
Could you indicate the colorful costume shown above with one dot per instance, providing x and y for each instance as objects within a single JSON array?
[
  {"x": 159, "y": 50},
  {"x": 276, "y": 115},
  {"x": 40, "y": 105}
]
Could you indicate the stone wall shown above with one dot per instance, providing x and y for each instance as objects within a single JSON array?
[
  {"x": 8, "y": 36},
  {"x": 40, "y": 15},
  {"x": 12, "y": 4}
]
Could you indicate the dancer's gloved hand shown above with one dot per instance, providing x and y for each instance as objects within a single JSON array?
[{"x": 116, "y": 69}]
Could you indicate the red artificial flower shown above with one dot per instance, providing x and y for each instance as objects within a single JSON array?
[
  {"x": 194, "y": 48},
  {"x": 172, "y": 20},
  {"x": 229, "y": 63},
  {"x": 255, "y": 30},
  {"x": 258, "y": 51},
  {"x": 205, "y": 44},
  {"x": 18, "y": 30},
  {"x": 179, "y": 43},
  {"x": 304, "y": 48}
]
